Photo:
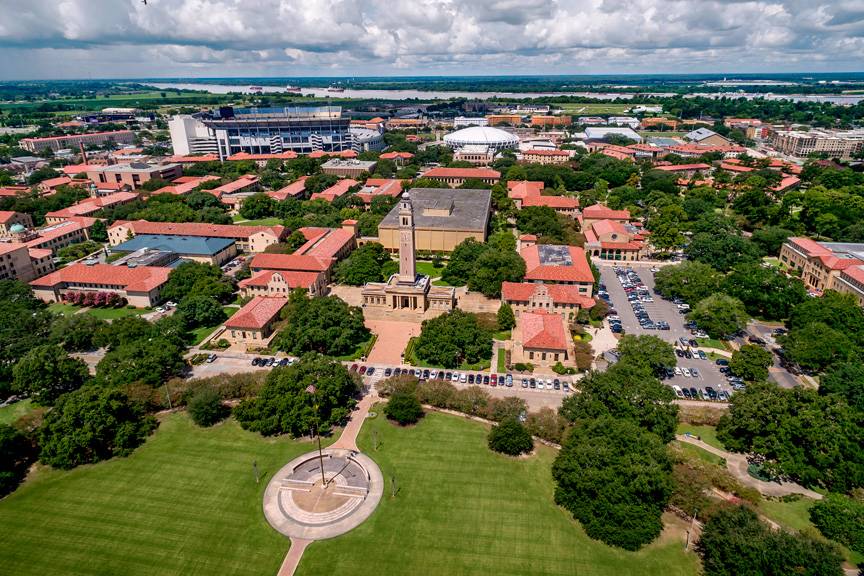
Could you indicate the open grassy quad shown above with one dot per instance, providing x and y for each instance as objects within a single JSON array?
[
  {"x": 272, "y": 221},
  {"x": 461, "y": 509},
  {"x": 184, "y": 503},
  {"x": 595, "y": 108},
  {"x": 429, "y": 269}
]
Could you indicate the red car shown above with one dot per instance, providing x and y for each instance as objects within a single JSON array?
[
  {"x": 493, "y": 380},
  {"x": 353, "y": 368},
  {"x": 362, "y": 370}
]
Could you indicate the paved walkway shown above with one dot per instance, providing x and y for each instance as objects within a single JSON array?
[
  {"x": 347, "y": 441},
  {"x": 392, "y": 339},
  {"x": 737, "y": 465}
]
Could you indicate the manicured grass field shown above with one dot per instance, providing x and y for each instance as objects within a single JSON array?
[
  {"x": 461, "y": 509},
  {"x": 711, "y": 343},
  {"x": 201, "y": 333},
  {"x": 698, "y": 452},
  {"x": 184, "y": 503},
  {"x": 595, "y": 108},
  {"x": 502, "y": 360},
  {"x": 9, "y": 414},
  {"x": 707, "y": 434},
  {"x": 273, "y": 221},
  {"x": 428, "y": 269},
  {"x": 63, "y": 309},
  {"x": 503, "y": 335},
  {"x": 114, "y": 313}
]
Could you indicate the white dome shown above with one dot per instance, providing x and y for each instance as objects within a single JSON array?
[{"x": 482, "y": 136}]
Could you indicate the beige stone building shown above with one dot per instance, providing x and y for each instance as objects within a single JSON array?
[
  {"x": 19, "y": 262},
  {"x": 541, "y": 339},
  {"x": 820, "y": 264},
  {"x": 254, "y": 323},
  {"x": 455, "y": 177},
  {"x": 563, "y": 299},
  {"x": 140, "y": 286},
  {"x": 443, "y": 218},
  {"x": 249, "y": 238},
  {"x": 851, "y": 281},
  {"x": 134, "y": 174},
  {"x": 8, "y": 219}
]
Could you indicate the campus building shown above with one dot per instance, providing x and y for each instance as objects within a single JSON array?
[
  {"x": 544, "y": 156},
  {"x": 834, "y": 143},
  {"x": 140, "y": 286},
  {"x": 562, "y": 299},
  {"x": 202, "y": 249},
  {"x": 253, "y": 324},
  {"x": 851, "y": 281},
  {"x": 20, "y": 262},
  {"x": 55, "y": 236},
  {"x": 348, "y": 168},
  {"x": 820, "y": 264},
  {"x": 541, "y": 338},
  {"x": 248, "y": 238},
  {"x": 556, "y": 264},
  {"x": 442, "y": 219},
  {"x": 526, "y": 193},
  {"x": 455, "y": 177},
  {"x": 275, "y": 130},
  {"x": 19, "y": 220},
  {"x": 614, "y": 240},
  {"x": 408, "y": 290},
  {"x": 56, "y": 143},
  {"x": 134, "y": 174},
  {"x": 90, "y": 206},
  {"x": 597, "y": 212}
]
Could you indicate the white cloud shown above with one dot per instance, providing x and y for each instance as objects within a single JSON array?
[{"x": 53, "y": 38}]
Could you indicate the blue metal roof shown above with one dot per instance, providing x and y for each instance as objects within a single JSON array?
[{"x": 192, "y": 245}]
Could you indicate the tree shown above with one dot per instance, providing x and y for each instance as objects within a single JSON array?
[
  {"x": 546, "y": 424},
  {"x": 201, "y": 310},
  {"x": 90, "y": 425},
  {"x": 841, "y": 519},
  {"x": 462, "y": 260},
  {"x": 452, "y": 339},
  {"x": 505, "y": 316},
  {"x": 721, "y": 251},
  {"x": 150, "y": 361},
  {"x": 368, "y": 263},
  {"x": 764, "y": 292},
  {"x": 206, "y": 408},
  {"x": 751, "y": 362},
  {"x": 47, "y": 372},
  {"x": 77, "y": 332},
  {"x": 484, "y": 267},
  {"x": 625, "y": 391},
  {"x": 813, "y": 439},
  {"x": 294, "y": 241},
  {"x": 615, "y": 478},
  {"x": 16, "y": 455},
  {"x": 649, "y": 351},
  {"x": 838, "y": 311},
  {"x": 259, "y": 205},
  {"x": 285, "y": 404},
  {"x": 26, "y": 324},
  {"x": 403, "y": 408},
  {"x": 734, "y": 541},
  {"x": 322, "y": 324},
  {"x": 690, "y": 281},
  {"x": 719, "y": 315},
  {"x": 816, "y": 346},
  {"x": 542, "y": 221},
  {"x": 99, "y": 231},
  {"x": 771, "y": 239},
  {"x": 199, "y": 279},
  {"x": 845, "y": 379},
  {"x": 510, "y": 437}
]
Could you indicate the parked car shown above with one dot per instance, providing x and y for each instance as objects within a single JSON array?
[
  {"x": 388, "y": 372},
  {"x": 678, "y": 391},
  {"x": 362, "y": 370}
]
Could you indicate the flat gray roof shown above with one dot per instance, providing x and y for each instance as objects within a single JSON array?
[{"x": 470, "y": 211}]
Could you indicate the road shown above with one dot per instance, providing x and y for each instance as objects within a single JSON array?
[
  {"x": 776, "y": 372},
  {"x": 660, "y": 309}
]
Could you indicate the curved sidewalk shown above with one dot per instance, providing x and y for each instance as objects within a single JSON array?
[{"x": 737, "y": 464}]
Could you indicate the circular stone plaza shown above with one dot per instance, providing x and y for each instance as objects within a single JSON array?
[{"x": 299, "y": 503}]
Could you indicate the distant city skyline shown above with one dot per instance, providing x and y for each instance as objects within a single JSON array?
[{"x": 223, "y": 38}]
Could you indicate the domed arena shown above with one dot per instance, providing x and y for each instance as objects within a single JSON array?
[{"x": 492, "y": 138}]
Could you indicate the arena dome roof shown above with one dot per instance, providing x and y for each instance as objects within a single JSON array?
[{"x": 482, "y": 136}]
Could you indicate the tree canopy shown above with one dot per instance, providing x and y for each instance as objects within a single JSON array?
[
  {"x": 16, "y": 454},
  {"x": 404, "y": 408},
  {"x": 46, "y": 372},
  {"x": 285, "y": 404},
  {"x": 719, "y": 315},
  {"x": 199, "y": 279},
  {"x": 368, "y": 263},
  {"x": 615, "y": 478},
  {"x": 764, "y": 292},
  {"x": 721, "y": 251},
  {"x": 510, "y": 437},
  {"x": 484, "y": 267},
  {"x": 452, "y": 339},
  {"x": 690, "y": 281},
  {"x": 751, "y": 362},
  {"x": 322, "y": 324}
]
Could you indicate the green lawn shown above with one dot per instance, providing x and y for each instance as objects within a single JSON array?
[
  {"x": 711, "y": 343},
  {"x": 502, "y": 360},
  {"x": 262, "y": 222},
  {"x": 63, "y": 309},
  {"x": 594, "y": 108},
  {"x": 700, "y": 453},
  {"x": 114, "y": 313},
  {"x": 708, "y": 434},
  {"x": 427, "y": 269},
  {"x": 503, "y": 335},
  {"x": 201, "y": 333},
  {"x": 184, "y": 503},
  {"x": 9, "y": 414},
  {"x": 462, "y": 509}
]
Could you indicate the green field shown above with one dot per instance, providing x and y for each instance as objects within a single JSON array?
[
  {"x": 9, "y": 414},
  {"x": 428, "y": 269},
  {"x": 201, "y": 333},
  {"x": 273, "y": 221},
  {"x": 701, "y": 453},
  {"x": 63, "y": 309},
  {"x": 711, "y": 343},
  {"x": 592, "y": 109},
  {"x": 114, "y": 313},
  {"x": 184, "y": 503},
  {"x": 462, "y": 509},
  {"x": 707, "y": 434},
  {"x": 502, "y": 361},
  {"x": 122, "y": 100}
]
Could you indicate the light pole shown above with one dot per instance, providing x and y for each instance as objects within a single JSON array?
[{"x": 311, "y": 390}]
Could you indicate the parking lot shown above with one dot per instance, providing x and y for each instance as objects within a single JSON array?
[{"x": 659, "y": 310}]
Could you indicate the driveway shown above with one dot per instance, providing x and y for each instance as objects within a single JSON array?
[{"x": 708, "y": 372}]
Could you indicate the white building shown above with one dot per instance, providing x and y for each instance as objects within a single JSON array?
[
  {"x": 494, "y": 139},
  {"x": 601, "y": 133},
  {"x": 464, "y": 122},
  {"x": 628, "y": 121},
  {"x": 189, "y": 136},
  {"x": 365, "y": 139}
]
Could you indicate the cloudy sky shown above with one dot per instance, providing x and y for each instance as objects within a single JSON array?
[{"x": 126, "y": 38}]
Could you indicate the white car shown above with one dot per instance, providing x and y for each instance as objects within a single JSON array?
[
  {"x": 463, "y": 378},
  {"x": 433, "y": 374},
  {"x": 160, "y": 309},
  {"x": 613, "y": 317},
  {"x": 678, "y": 391},
  {"x": 686, "y": 372},
  {"x": 540, "y": 385},
  {"x": 455, "y": 377},
  {"x": 678, "y": 371}
]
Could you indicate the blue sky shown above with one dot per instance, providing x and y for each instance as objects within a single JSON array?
[{"x": 125, "y": 38}]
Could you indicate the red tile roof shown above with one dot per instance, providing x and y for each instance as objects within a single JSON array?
[
  {"x": 524, "y": 188},
  {"x": 55, "y": 182},
  {"x": 855, "y": 273},
  {"x": 601, "y": 212},
  {"x": 296, "y": 188},
  {"x": 396, "y": 155},
  {"x": 73, "y": 169},
  {"x": 560, "y": 293},
  {"x": 289, "y": 262},
  {"x": 608, "y": 227},
  {"x": 616, "y": 154},
  {"x": 462, "y": 173},
  {"x": 543, "y": 331},
  {"x": 245, "y": 181},
  {"x": 13, "y": 190},
  {"x": 57, "y": 230},
  {"x": 546, "y": 152},
  {"x": 92, "y": 205},
  {"x": 683, "y": 167},
  {"x": 327, "y": 245},
  {"x": 142, "y": 279},
  {"x": 559, "y": 202},
  {"x": 199, "y": 229},
  {"x": 257, "y": 313},
  {"x": 380, "y": 187},
  {"x": 194, "y": 159},
  {"x": 292, "y": 278},
  {"x": 7, "y": 215},
  {"x": 579, "y": 271},
  {"x": 335, "y": 191},
  {"x": 290, "y": 155},
  {"x": 786, "y": 183},
  {"x": 808, "y": 246},
  {"x": 184, "y": 185},
  {"x": 837, "y": 263},
  {"x": 8, "y": 247},
  {"x": 735, "y": 167}
]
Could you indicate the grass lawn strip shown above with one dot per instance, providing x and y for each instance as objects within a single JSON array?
[
  {"x": 707, "y": 434},
  {"x": 184, "y": 503},
  {"x": 200, "y": 334},
  {"x": 462, "y": 509},
  {"x": 11, "y": 413}
]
